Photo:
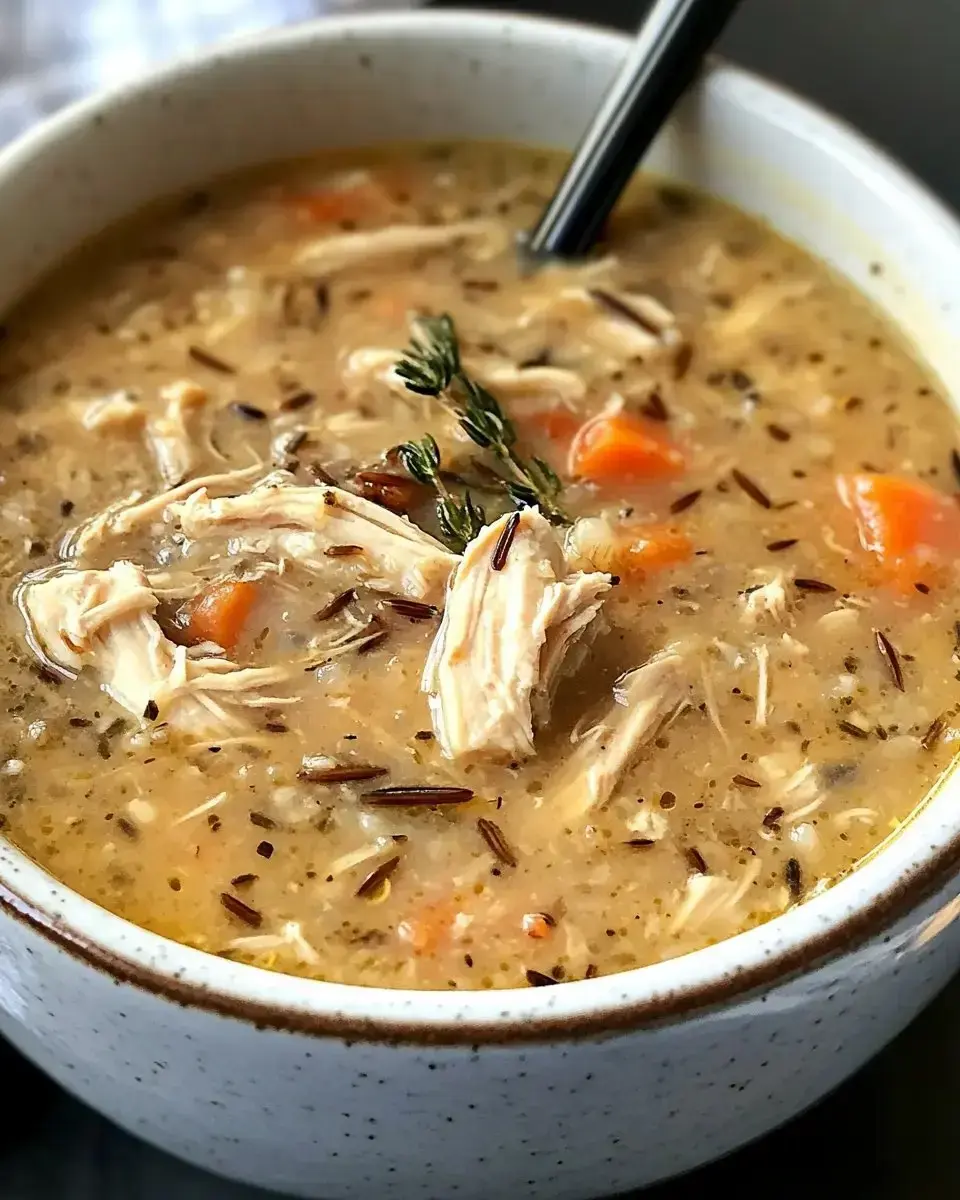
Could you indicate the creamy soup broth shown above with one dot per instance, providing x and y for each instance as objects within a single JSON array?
[{"x": 811, "y": 622}]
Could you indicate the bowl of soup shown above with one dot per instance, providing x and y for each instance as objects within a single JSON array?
[{"x": 468, "y": 729}]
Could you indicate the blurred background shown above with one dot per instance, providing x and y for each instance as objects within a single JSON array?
[{"x": 887, "y": 66}]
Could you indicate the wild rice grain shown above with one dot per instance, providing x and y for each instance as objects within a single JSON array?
[
  {"x": 888, "y": 653},
  {"x": 412, "y": 609},
  {"x": 127, "y": 828},
  {"x": 206, "y": 359},
  {"x": 618, "y": 308},
  {"x": 504, "y": 542},
  {"x": 682, "y": 503},
  {"x": 696, "y": 860},
  {"x": 348, "y": 773},
  {"x": 654, "y": 408},
  {"x": 538, "y": 979},
  {"x": 243, "y": 912},
  {"x": 262, "y": 821},
  {"x": 249, "y": 412},
  {"x": 933, "y": 734},
  {"x": 813, "y": 585},
  {"x": 417, "y": 797},
  {"x": 493, "y": 835},
  {"x": 793, "y": 874},
  {"x": 751, "y": 488},
  {"x": 297, "y": 401},
  {"x": 372, "y": 882},
  {"x": 336, "y": 606}
]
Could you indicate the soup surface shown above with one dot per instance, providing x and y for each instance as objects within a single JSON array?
[{"x": 698, "y": 658}]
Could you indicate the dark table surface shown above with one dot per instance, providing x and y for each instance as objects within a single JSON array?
[{"x": 889, "y": 67}]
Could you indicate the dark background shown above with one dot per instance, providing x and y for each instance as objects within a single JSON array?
[{"x": 888, "y": 66}]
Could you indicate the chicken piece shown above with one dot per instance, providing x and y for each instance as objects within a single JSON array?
[
  {"x": 511, "y": 382},
  {"x": 103, "y": 620},
  {"x": 644, "y": 699},
  {"x": 626, "y": 324},
  {"x": 170, "y": 436},
  {"x": 507, "y": 634},
  {"x": 116, "y": 413},
  {"x": 712, "y": 903},
  {"x": 303, "y": 523},
  {"x": 769, "y": 602},
  {"x": 329, "y": 255},
  {"x": 372, "y": 365},
  {"x": 134, "y": 511}
]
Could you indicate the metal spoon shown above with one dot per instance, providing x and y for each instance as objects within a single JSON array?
[{"x": 665, "y": 58}]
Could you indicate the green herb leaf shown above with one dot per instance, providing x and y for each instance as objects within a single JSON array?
[
  {"x": 432, "y": 367},
  {"x": 460, "y": 520}
]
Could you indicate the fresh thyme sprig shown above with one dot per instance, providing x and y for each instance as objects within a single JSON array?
[
  {"x": 432, "y": 367},
  {"x": 460, "y": 521}
]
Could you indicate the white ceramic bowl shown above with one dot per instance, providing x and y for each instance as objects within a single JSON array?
[{"x": 574, "y": 1091}]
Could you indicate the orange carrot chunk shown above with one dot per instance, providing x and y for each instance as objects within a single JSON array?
[
  {"x": 220, "y": 613},
  {"x": 557, "y": 424},
  {"x": 537, "y": 925},
  {"x": 654, "y": 548},
  {"x": 910, "y": 528},
  {"x": 427, "y": 929},
  {"x": 623, "y": 448},
  {"x": 331, "y": 205}
]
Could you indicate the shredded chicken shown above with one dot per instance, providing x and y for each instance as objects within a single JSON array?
[
  {"x": 290, "y": 940},
  {"x": 103, "y": 620},
  {"x": 757, "y": 306},
  {"x": 644, "y": 699},
  {"x": 518, "y": 383},
  {"x": 329, "y": 255},
  {"x": 134, "y": 512},
  {"x": 762, "y": 654},
  {"x": 116, "y": 413},
  {"x": 506, "y": 637},
  {"x": 714, "y": 896},
  {"x": 627, "y": 324},
  {"x": 373, "y": 365},
  {"x": 767, "y": 602},
  {"x": 302, "y": 523},
  {"x": 170, "y": 436},
  {"x": 370, "y": 365}
]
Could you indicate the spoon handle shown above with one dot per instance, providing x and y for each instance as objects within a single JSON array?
[{"x": 665, "y": 58}]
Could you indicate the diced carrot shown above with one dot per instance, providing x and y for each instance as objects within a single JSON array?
[
  {"x": 910, "y": 527},
  {"x": 536, "y": 925},
  {"x": 631, "y": 550},
  {"x": 358, "y": 196},
  {"x": 220, "y": 613},
  {"x": 557, "y": 424},
  {"x": 623, "y": 448},
  {"x": 655, "y": 548},
  {"x": 425, "y": 931}
]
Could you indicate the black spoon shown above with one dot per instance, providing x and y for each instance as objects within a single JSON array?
[{"x": 666, "y": 56}]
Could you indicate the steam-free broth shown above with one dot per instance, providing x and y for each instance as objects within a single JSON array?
[{"x": 655, "y": 639}]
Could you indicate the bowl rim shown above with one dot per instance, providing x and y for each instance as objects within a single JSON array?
[{"x": 862, "y": 906}]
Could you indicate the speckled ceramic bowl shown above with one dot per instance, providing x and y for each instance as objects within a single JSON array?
[{"x": 574, "y": 1091}]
